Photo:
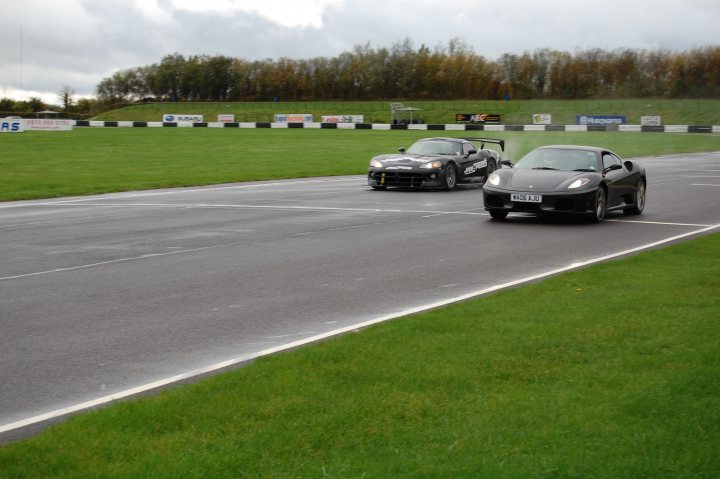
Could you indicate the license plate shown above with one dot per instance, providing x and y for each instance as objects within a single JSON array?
[{"x": 526, "y": 198}]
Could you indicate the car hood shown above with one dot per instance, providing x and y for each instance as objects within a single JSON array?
[
  {"x": 406, "y": 159},
  {"x": 541, "y": 179}
]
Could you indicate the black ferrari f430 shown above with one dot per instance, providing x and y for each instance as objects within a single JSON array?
[
  {"x": 567, "y": 180},
  {"x": 435, "y": 163}
]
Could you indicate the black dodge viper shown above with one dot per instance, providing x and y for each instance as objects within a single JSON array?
[
  {"x": 435, "y": 163},
  {"x": 563, "y": 179}
]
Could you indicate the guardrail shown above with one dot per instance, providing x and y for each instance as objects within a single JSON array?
[{"x": 422, "y": 127}]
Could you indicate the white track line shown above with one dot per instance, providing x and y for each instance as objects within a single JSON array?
[
  {"x": 312, "y": 339},
  {"x": 118, "y": 260},
  {"x": 470, "y": 212},
  {"x": 114, "y": 196}
]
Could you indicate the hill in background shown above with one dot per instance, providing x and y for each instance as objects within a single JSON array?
[{"x": 520, "y": 112}]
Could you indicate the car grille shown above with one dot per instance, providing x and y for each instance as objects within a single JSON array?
[{"x": 406, "y": 179}]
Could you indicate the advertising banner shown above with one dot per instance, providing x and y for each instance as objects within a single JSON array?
[
  {"x": 45, "y": 124},
  {"x": 11, "y": 125},
  {"x": 226, "y": 118},
  {"x": 293, "y": 118},
  {"x": 477, "y": 117},
  {"x": 174, "y": 118},
  {"x": 650, "y": 121},
  {"x": 343, "y": 119},
  {"x": 542, "y": 119},
  {"x": 600, "y": 120}
]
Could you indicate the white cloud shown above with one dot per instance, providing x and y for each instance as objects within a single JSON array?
[
  {"x": 48, "y": 44},
  {"x": 286, "y": 13}
]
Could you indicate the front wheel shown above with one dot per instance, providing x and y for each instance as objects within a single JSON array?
[
  {"x": 450, "y": 177},
  {"x": 380, "y": 188},
  {"x": 491, "y": 167},
  {"x": 599, "y": 206},
  {"x": 639, "y": 205}
]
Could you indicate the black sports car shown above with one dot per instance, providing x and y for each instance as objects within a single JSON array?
[
  {"x": 566, "y": 179},
  {"x": 435, "y": 163}
]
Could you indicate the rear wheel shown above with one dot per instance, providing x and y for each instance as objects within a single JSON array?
[
  {"x": 639, "y": 205},
  {"x": 450, "y": 177},
  {"x": 599, "y": 206},
  {"x": 498, "y": 215}
]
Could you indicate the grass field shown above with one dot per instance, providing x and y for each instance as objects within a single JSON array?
[
  {"x": 515, "y": 112},
  {"x": 612, "y": 371},
  {"x": 88, "y": 161}
]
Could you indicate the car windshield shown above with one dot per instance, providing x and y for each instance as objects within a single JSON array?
[
  {"x": 435, "y": 148},
  {"x": 559, "y": 159}
]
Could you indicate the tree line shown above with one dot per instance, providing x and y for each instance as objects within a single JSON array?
[{"x": 449, "y": 72}]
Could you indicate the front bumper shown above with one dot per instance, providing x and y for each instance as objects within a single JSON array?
[
  {"x": 553, "y": 202},
  {"x": 415, "y": 178}
]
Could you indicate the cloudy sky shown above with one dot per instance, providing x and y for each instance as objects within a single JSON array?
[{"x": 48, "y": 45}]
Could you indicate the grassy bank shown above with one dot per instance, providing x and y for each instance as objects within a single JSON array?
[
  {"x": 88, "y": 161},
  {"x": 515, "y": 112},
  {"x": 608, "y": 372}
]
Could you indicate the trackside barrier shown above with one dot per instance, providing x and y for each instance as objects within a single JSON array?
[{"x": 416, "y": 127}]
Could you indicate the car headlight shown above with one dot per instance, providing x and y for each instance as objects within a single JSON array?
[
  {"x": 430, "y": 165},
  {"x": 375, "y": 164},
  {"x": 494, "y": 179},
  {"x": 579, "y": 183}
]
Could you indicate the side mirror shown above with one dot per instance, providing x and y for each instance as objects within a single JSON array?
[
  {"x": 471, "y": 152},
  {"x": 402, "y": 149},
  {"x": 507, "y": 163},
  {"x": 629, "y": 165}
]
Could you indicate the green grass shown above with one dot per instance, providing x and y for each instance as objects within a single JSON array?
[
  {"x": 94, "y": 160},
  {"x": 515, "y": 112},
  {"x": 612, "y": 371}
]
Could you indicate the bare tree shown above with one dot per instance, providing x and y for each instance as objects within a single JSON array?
[{"x": 65, "y": 97}]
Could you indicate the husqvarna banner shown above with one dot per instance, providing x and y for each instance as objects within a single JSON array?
[{"x": 600, "y": 120}]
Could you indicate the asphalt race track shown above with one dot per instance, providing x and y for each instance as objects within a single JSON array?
[{"x": 105, "y": 295}]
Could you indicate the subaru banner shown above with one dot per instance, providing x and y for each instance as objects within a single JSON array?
[{"x": 175, "y": 118}]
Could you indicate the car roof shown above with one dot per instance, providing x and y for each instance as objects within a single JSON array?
[
  {"x": 444, "y": 138},
  {"x": 596, "y": 149}
]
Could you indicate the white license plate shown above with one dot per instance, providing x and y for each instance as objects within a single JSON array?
[{"x": 526, "y": 198}]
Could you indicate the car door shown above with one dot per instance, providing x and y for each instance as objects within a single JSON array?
[
  {"x": 473, "y": 165},
  {"x": 618, "y": 180}
]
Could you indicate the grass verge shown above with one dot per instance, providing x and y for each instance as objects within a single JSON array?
[
  {"x": 90, "y": 161},
  {"x": 612, "y": 371}
]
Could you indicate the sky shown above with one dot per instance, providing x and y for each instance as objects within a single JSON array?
[{"x": 51, "y": 45}]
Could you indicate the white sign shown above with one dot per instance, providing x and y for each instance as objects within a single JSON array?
[
  {"x": 11, "y": 125},
  {"x": 343, "y": 119},
  {"x": 226, "y": 118},
  {"x": 172, "y": 118},
  {"x": 45, "y": 124},
  {"x": 542, "y": 119},
  {"x": 650, "y": 121},
  {"x": 293, "y": 118}
]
